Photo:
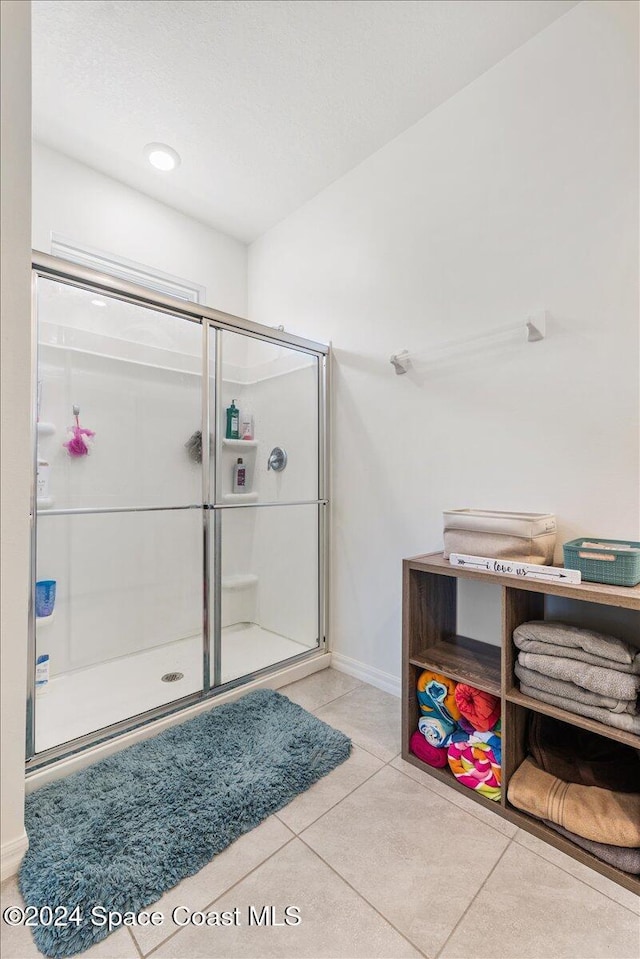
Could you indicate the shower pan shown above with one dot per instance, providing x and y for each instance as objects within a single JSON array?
[{"x": 171, "y": 585}]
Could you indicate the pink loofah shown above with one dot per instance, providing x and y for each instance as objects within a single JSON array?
[{"x": 79, "y": 442}]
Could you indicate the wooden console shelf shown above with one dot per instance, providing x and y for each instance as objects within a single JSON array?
[{"x": 431, "y": 641}]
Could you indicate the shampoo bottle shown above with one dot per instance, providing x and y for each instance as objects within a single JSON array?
[
  {"x": 239, "y": 477},
  {"x": 233, "y": 422}
]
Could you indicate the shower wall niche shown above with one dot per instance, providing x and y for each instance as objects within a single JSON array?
[{"x": 169, "y": 586}]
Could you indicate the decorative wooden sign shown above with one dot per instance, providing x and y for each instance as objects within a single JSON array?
[{"x": 511, "y": 567}]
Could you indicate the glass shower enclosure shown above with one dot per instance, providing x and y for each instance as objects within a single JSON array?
[{"x": 179, "y": 535}]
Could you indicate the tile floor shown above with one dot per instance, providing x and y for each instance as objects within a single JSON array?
[{"x": 382, "y": 861}]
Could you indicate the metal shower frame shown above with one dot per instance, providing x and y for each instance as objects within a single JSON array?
[{"x": 213, "y": 323}]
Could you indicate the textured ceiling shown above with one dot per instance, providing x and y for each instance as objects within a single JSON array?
[{"x": 267, "y": 101}]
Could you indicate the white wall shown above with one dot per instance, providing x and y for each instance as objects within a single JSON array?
[
  {"x": 15, "y": 309},
  {"x": 518, "y": 193},
  {"x": 82, "y": 205}
]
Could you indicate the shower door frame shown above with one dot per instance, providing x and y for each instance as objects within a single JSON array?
[{"x": 213, "y": 323}]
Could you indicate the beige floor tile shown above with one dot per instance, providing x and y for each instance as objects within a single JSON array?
[
  {"x": 214, "y": 879},
  {"x": 336, "y": 922},
  {"x": 592, "y": 878},
  {"x": 310, "y": 805},
  {"x": 458, "y": 799},
  {"x": 370, "y": 717},
  {"x": 16, "y": 942},
  {"x": 119, "y": 945},
  {"x": 320, "y": 688},
  {"x": 530, "y": 909},
  {"x": 417, "y": 858}
]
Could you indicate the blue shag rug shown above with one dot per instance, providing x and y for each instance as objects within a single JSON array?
[{"x": 120, "y": 833}]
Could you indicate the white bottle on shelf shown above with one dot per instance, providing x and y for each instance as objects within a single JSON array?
[
  {"x": 246, "y": 426},
  {"x": 43, "y": 474}
]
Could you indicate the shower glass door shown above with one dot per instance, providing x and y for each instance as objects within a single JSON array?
[
  {"x": 178, "y": 538},
  {"x": 119, "y": 512},
  {"x": 265, "y": 495}
]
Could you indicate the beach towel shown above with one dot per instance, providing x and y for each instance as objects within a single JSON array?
[
  {"x": 436, "y": 696},
  {"x": 492, "y": 738},
  {"x": 475, "y": 766},
  {"x": 438, "y": 732},
  {"x": 479, "y": 708},
  {"x": 419, "y": 746},
  {"x": 602, "y": 815}
]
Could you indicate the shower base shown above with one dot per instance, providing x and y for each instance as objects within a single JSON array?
[{"x": 84, "y": 700}]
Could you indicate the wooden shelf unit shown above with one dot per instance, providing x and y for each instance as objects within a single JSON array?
[{"x": 431, "y": 641}]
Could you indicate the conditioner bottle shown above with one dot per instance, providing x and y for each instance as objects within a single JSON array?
[{"x": 239, "y": 477}]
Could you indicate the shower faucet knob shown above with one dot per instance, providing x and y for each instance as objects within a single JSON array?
[{"x": 277, "y": 459}]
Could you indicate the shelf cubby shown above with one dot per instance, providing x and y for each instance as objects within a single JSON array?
[
  {"x": 514, "y": 695},
  {"x": 431, "y": 641},
  {"x": 465, "y": 660}
]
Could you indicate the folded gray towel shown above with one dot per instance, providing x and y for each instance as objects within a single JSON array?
[
  {"x": 575, "y": 643},
  {"x": 579, "y": 655},
  {"x": 630, "y": 724},
  {"x": 606, "y": 682},
  {"x": 559, "y": 687},
  {"x": 622, "y": 857}
]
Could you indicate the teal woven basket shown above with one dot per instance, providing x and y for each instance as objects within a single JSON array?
[{"x": 616, "y": 567}]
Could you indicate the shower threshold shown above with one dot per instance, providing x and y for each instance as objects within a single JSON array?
[{"x": 85, "y": 700}]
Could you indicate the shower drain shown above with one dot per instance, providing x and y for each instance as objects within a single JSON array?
[{"x": 172, "y": 677}]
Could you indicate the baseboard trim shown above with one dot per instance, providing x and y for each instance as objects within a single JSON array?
[
  {"x": 11, "y": 855},
  {"x": 368, "y": 674}
]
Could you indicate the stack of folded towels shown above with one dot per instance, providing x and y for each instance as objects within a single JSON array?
[
  {"x": 459, "y": 725},
  {"x": 583, "y": 786},
  {"x": 581, "y": 671}
]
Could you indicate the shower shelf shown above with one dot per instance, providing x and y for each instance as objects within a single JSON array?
[
  {"x": 45, "y": 620},
  {"x": 240, "y": 444},
  {"x": 239, "y": 581},
  {"x": 239, "y": 497},
  {"x": 45, "y": 429}
]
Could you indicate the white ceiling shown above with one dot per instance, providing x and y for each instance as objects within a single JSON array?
[{"x": 267, "y": 101}]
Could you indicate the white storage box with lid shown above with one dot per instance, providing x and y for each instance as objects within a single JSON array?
[{"x": 527, "y": 537}]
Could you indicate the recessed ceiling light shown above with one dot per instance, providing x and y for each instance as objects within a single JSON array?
[
  {"x": 98, "y": 302},
  {"x": 161, "y": 156}
]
